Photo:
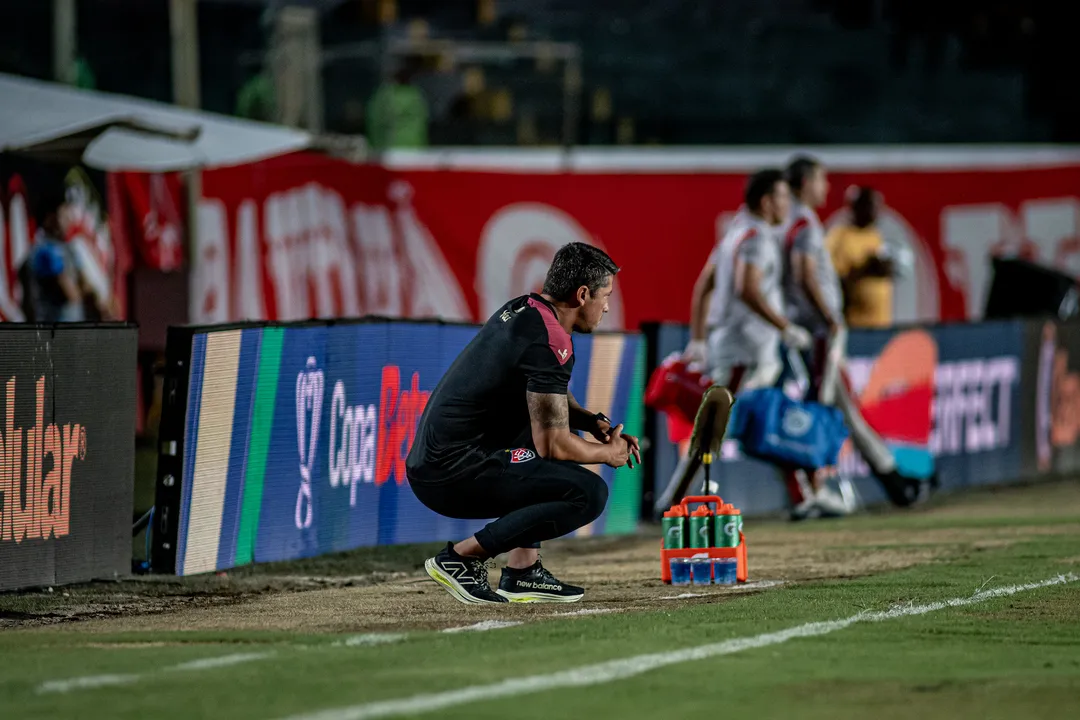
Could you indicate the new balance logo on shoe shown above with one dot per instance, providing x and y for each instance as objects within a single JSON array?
[
  {"x": 539, "y": 586},
  {"x": 459, "y": 571}
]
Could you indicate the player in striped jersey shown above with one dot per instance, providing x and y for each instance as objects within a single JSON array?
[
  {"x": 745, "y": 323},
  {"x": 813, "y": 298}
]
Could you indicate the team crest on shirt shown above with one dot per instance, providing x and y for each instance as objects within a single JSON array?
[{"x": 520, "y": 455}]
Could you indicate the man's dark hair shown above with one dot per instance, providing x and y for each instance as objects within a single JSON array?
[
  {"x": 578, "y": 264},
  {"x": 863, "y": 201},
  {"x": 799, "y": 170},
  {"x": 760, "y": 184}
]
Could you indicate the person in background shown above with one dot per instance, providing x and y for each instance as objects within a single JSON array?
[
  {"x": 398, "y": 113},
  {"x": 256, "y": 99},
  {"x": 82, "y": 228},
  {"x": 738, "y": 337},
  {"x": 862, "y": 262},
  {"x": 812, "y": 291},
  {"x": 812, "y": 297},
  {"x": 52, "y": 277},
  {"x": 737, "y": 319}
]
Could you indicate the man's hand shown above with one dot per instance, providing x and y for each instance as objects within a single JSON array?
[
  {"x": 796, "y": 337},
  {"x": 618, "y": 449},
  {"x": 605, "y": 434},
  {"x": 626, "y": 450},
  {"x": 634, "y": 448},
  {"x": 695, "y": 352}
]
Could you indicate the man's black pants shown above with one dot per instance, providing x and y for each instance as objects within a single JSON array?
[{"x": 533, "y": 498}]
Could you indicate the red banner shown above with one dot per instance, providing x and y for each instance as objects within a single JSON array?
[
  {"x": 305, "y": 236},
  {"x": 17, "y": 229},
  {"x": 148, "y": 207}
]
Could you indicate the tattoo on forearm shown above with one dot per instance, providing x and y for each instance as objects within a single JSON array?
[{"x": 548, "y": 410}]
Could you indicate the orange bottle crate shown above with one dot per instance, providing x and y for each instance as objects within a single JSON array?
[{"x": 738, "y": 552}]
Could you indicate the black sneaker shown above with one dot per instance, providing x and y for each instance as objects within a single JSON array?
[
  {"x": 465, "y": 578},
  {"x": 906, "y": 491},
  {"x": 536, "y": 584}
]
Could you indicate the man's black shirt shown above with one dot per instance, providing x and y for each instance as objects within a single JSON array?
[{"x": 479, "y": 405}]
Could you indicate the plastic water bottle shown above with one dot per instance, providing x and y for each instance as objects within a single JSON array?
[
  {"x": 701, "y": 528},
  {"x": 728, "y": 526},
  {"x": 674, "y": 523}
]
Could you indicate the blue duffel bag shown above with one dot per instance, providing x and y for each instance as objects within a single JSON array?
[{"x": 771, "y": 426}]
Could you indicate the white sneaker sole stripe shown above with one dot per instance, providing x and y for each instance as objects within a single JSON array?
[{"x": 539, "y": 597}]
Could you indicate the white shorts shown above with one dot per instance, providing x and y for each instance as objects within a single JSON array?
[{"x": 744, "y": 369}]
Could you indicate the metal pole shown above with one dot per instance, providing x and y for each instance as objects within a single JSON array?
[
  {"x": 65, "y": 40},
  {"x": 184, "y": 31},
  {"x": 297, "y": 60}
]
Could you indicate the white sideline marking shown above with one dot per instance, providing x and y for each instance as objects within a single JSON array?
[
  {"x": 485, "y": 625},
  {"x": 759, "y": 585},
  {"x": 371, "y": 639},
  {"x": 95, "y": 681},
  {"x": 218, "y": 662},
  {"x": 612, "y": 670},
  {"x": 586, "y": 611},
  {"x": 85, "y": 683}
]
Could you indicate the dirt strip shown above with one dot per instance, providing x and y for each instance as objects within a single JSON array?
[{"x": 620, "y": 574}]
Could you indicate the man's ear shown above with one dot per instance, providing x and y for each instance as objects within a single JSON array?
[{"x": 582, "y": 295}]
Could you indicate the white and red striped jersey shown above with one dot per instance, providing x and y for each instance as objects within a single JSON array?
[
  {"x": 737, "y": 333},
  {"x": 803, "y": 233}
]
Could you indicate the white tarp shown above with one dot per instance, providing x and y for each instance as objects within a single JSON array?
[{"x": 139, "y": 135}]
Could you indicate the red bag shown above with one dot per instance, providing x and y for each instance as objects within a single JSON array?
[{"x": 676, "y": 389}]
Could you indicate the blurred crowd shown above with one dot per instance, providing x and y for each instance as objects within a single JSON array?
[
  {"x": 990, "y": 34},
  {"x": 746, "y": 71}
]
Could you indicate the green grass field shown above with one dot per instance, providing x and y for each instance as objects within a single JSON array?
[{"x": 850, "y": 629}]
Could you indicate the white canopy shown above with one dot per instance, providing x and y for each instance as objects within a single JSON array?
[{"x": 116, "y": 132}]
